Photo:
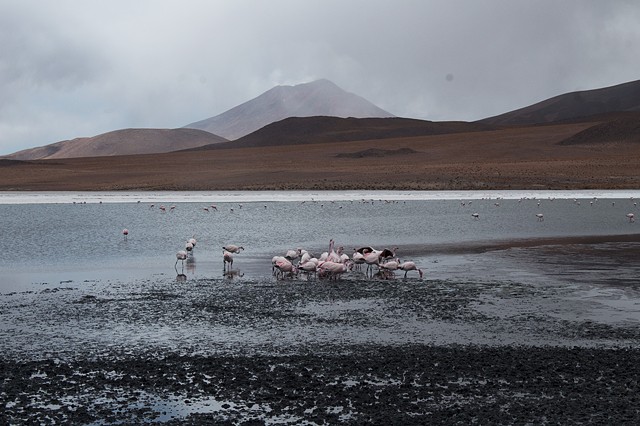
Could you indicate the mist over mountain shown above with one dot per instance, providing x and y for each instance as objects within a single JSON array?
[
  {"x": 321, "y": 112},
  {"x": 318, "y": 98}
]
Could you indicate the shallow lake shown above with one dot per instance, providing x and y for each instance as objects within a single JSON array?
[{"x": 53, "y": 238}]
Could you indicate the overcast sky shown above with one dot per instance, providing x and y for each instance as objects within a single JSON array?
[{"x": 81, "y": 68}]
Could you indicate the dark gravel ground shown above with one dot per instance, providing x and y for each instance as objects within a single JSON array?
[{"x": 503, "y": 353}]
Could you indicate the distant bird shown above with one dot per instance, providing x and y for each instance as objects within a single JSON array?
[
  {"x": 172, "y": 208},
  {"x": 631, "y": 217},
  {"x": 163, "y": 208},
  {"x": 125, "y": 232},
  {"x": 232, "y": 248},
  {"x": 540, "y": 217},
  {"x": 188, "y": 247},
  {"x": 193, "y": 242},
  {"x": 475, "y": 215},
  {"x": 227, "y": 258},
  {"x": 409, "y": 266}
]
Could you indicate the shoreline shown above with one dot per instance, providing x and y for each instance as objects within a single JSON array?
[{"x": 130, "y": 196}]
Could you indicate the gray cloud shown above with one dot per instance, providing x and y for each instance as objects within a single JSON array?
[{"x": 71, "y": 68}]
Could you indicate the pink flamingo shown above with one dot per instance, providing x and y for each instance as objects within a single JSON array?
[
  {"x": 284, "y": 266},
  {"x": 333, "y": 269},
  {"x": 409, "y": 266},
  {"x": 308, "y": 267},
  {"x": 391, "y": 265},
  {"x": 293, "y": 254}
]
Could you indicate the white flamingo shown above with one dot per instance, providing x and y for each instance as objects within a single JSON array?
[
  {"x": 631, "y": 217},
  {"x": 409, "y": 266}
]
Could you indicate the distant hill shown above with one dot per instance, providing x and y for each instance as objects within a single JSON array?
[
  {"x": 310, "y": 130},
  {"x": 608, "y": 129},
  {"x": 318, "y": 98},
  {"x": 619, "y": 98},
  {"x": 121, "y": 142}
]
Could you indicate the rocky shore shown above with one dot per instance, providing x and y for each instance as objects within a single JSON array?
[{"x": 353, "y": 352}]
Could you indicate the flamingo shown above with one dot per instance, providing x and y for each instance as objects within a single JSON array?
[
  {"x": 333, "y": 269},
  {"x": 232, "y": 248},
  {"x": 181, "y": 255},
  {"x": 631, "y": 217},
  {"x": 188, "y": 247},
  {"x": 371, "y": 258},
  {"x": 540, "y": 217},
  {"x": 391, "y": 265},
  {"x": 125, "y": 232},
  {"x": 333, "y": 256},
  {"x": 358, "y": 258},
  {"x": 475, "y": 215},
  {"x": 284, "y": 266},
  {"x": 409, "y": 266},
  {"x": 226, "y": 258},
  {"x": 304, "y": 256},
  {"x": 193, "y": 242},
  {"x": 293, "y": 254},
  {"x": 308, "y": 267}
]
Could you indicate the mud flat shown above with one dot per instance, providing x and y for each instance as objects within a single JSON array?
[{"x": 353, "y": 351}]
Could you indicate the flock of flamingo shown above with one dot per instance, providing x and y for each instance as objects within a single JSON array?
[{"x": 331, "y": 264}]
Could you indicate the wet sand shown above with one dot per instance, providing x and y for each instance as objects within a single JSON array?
[{"x": 402, "y": 351}]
